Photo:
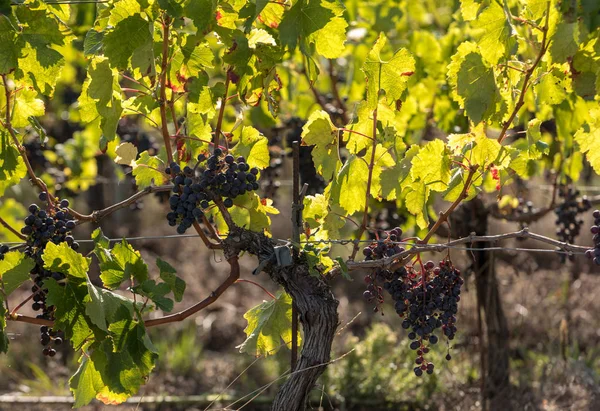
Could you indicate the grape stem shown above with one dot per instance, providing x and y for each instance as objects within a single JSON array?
[
  {"x": 12, "y": 230},
  {"x": 22, "y": 151},
  {"x": 527, "y": 78},
  {"x": 163, "y": 88}
]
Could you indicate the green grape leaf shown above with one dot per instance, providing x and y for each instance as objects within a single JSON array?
[
  {"x": 114, "y": 372},
  {"x": 315, "y": 210},
  {"x": 415, "y": 201},
  {"x": 563, "y": 41},
  {"x": 12, "y": 166},
  {"x": 147, "y": 170},
  {"x": 268, "y": 324},
  {"x": 106, "y": 307},
  {"x": 551, "y": 89},
  {"x": 432, "y": 166},
  {"x": 93, "y": 42},
  {"x": 470, "y": 8},
  {"x": 190, "y": 60},
  {"x": 9, "y": 52},
  {"x": 487, "y": 151},
  {"x": 174, "y": 8},
  {"x": 529, "y": 151},
  {"x": 86, "y": 383},
  {"x": 42, "y": 35},
  {"x": 494, "y": 33},
  {"x": 101, "y": 97},
  {"x": 168, "y": 275},
  {"x": 588, "y": 138},
  {"x": 124, "y": 263},
  {"x": 251, "y": 212},
  {"x": 156, "y": 292},
  {"x": 320, "y": 132},
  {"x": 137, "y": 51},
  {"x": 349, "y": 188},
  {"x": 69, "y": 314},
  {"x": 536, "y": 148},
  {"x": 14, "y": 271},
  {"x": 396, "y": 177},
  {"x": 390, "y": 76},
  {"x": 315, "y": 22},
  {"x": 202, "y": 13},
  {"x": 253, "y": 146},
  {"x": 457, "y": 185},
  {"x": 473, "y": 83},
  {"x": 63, "y": 259},
  {"x": 27, "y": 104}
]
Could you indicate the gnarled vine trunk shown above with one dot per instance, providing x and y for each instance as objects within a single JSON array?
[{"x": 317, "y": 309}]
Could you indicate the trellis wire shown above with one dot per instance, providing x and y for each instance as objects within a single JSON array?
[{"x": 342, "y": 242}]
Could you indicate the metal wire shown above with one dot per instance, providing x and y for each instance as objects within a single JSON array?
[{"x": 341, "y": 242}]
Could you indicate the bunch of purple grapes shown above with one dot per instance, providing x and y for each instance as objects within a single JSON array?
[
  {"x": 388, "y": 246},
  {"x": 594, "y": 253},
  {"x": 220, "y": 176},
  {"x": 42, "y": 226},
  {"x": 567, "y": 216},
  {"x": 427, "y": 300}
]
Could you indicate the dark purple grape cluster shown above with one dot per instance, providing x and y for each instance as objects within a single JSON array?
[
  {"x": 52, "y": 224},
  {"x": 3, "y": 250},
  {"x": 594, "y": 253},
  {"x": 567, "y": 213},
  {"x": 220, "y": 176},
  {"x": 386, "y": 247},
  {"x": 427, "y": 300}
]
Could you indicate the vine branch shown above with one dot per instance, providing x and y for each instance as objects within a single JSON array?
[
  {"x": 365, "y": 219},
  {"x": 12, "y": 230},
  {"x": 528, "y": 75},
  {"x": 163, "y": 87},
  {"x": 95, "y": 216},
  {"x": 22, "y": 151}
]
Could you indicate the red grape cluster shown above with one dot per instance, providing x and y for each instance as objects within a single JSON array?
[
  {"x": 427, "y": 300},
  {"x": 594, "y": 253}
]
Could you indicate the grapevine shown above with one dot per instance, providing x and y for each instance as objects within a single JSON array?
[{"x": 406, "y": 130}]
